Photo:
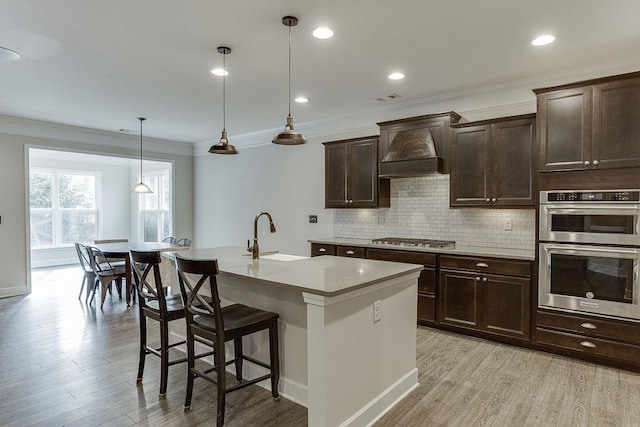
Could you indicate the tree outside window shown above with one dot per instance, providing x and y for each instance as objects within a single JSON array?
[{"x": 62, "y": 207}]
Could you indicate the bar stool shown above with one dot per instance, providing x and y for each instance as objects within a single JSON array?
[
  {"x": 154, "y": 304},
  {"x": 207, "y": 319}
]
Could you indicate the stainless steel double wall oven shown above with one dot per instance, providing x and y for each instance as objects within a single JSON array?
[{"x": 590, "y": 252}]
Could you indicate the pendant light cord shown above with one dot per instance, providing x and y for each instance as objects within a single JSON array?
[
  {"x": 224, "y": 92},
  {"x": 289, "y": 70},
  {"x": 141, "y": 119}
]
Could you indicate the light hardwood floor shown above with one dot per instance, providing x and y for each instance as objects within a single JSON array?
[{"x": 65, "y": 363}]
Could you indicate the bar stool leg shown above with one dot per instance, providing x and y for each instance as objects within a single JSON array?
[
  {"x": 143, "y": 346},
  {"x": 164, "y": 357},
  {"x": 237, "y": 346},
  {"x": 190, "y": 367},
  {"x": 274, "y": 357}
]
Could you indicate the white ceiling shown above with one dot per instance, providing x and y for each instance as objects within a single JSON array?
[{"x": 101, "y": 64}]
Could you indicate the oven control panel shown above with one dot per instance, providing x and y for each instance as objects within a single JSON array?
[{"x": 592, "y": 196}]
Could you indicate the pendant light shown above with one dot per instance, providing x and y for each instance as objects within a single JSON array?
[
  {"x": 223, "y": 147},
  {"x": 289, "y": 136},
  {"x": 141, "y": 187}
]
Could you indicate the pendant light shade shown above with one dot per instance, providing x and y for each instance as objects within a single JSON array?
[
  {"x": 141, "y": 187},
  {"x": 289, "y": 136},
  {"x": 223, "y": 147}
]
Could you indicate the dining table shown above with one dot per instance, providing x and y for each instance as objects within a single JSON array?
[{"x": 120, "y": 250}]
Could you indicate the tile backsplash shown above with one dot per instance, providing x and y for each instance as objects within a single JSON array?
[{"x": 420, "y": 209}]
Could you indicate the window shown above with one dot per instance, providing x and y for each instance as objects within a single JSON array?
[
  {"x": 155, "y": 210},
  {"x": 63, "y": 207}
]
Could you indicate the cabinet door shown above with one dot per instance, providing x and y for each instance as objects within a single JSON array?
[
  {"x": 469, "y": 168},
  {"x": 565, "y": 129},
  {"x": 616, "y": 127},
  {"x": 512, "y": 163},
  {"x": 335, "y": 173},
  {"x": 506, "y": 305},
  {"x": 459, "y": 296},
  {"x": 426, "y": 296},
  {"x": 363, "y": 173}
]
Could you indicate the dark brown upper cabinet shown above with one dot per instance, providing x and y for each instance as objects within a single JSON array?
[
  {"x": 351, "y": 174},
  {"x": 492, "y": 163},
  {"x": 590, "y": 125},
  {"x": 438, "y": 130}
]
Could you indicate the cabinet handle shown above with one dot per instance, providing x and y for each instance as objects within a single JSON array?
[
  {"x": 487, "y": 200},
  {"x": 494, "y": 200},
  {"x": 477, "y": 279},
  {"x": 587, "y": 162},
  {"x": 588, "y": 326},
  {"x": 595, "y": 163},
  {"x": 350, "y": 201},
  {"x": 482, "y": 264},
  {"x": 588, "y": 344},
  {"x": 484, "y": 279},
  {"x": 349, "y": 252},
  {"x": 322, "y": 250}
]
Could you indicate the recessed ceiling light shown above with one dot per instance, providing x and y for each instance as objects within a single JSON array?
[
  {"x": 8, "y": 54},
  {"x": 542, "y": 40},
  {"x": 301, "y": 99},
  {"x": 220, "y": 72},
  {"x": 322, "y": 33},
  {"x": 396, "y": 76}
]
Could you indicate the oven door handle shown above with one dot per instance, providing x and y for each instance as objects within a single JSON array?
[
  {"x": 570, "y": 249},
  {"x": 583, "y": 210}
]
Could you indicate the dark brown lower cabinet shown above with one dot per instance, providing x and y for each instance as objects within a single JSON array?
[
  {"x": 490, "y": 303},
  {"x": 589, "y": 335},
  {"x": 427, "y": 282}
]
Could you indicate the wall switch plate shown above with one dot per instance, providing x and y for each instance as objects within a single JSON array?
[
  {"x": 374, "y": 218},
  {"x": 377, "y": 311},
  {"x": 313, "y": 219},
  {"x": 508, "y": 224}
]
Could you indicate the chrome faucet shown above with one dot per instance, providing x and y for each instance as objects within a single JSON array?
[{"x": 255, "y": 249}]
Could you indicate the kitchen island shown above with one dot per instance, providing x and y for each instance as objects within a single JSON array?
[{"x": 345, "y": 362}]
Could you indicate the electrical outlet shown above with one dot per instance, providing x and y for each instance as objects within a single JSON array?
[
  {"x": 377, "y": 311},
  {"x": 313, "y": 219},
  {"x": 508, "y": 224},
  {"x": 374, "y": 218}
]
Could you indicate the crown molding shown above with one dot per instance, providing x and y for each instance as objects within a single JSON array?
[{"x": 55, "y": 131}]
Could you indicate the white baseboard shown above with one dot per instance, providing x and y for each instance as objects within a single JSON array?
[
  {"x": 381, "y": 404},
  {"x": 13, "y": 291},
  {"x": 54, "y": 262}
]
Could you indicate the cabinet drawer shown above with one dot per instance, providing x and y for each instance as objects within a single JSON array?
[
  {"x": 350, "y": 251},
  {"x": 402, "y": 256},
  {"x": 589, "y": 345},
  {"x": 427, "y": 308},
  {"x": 487, "y": 265},
  {"x": 319, "y": 249},
  {"x": 590, "y": 326}
]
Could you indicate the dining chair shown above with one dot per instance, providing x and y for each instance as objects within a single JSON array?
[
  {"x": 184, "y": 242},
  {"x": 169, "y": 239},
  {"x": 105, "y": 272},
  {"x": 89, "y": 277},
  {"x": 206, "y": 318},
  {"x": 154, "y": 304}
]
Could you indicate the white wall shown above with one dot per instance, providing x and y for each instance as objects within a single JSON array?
[
  {"x": 286, "y": 181},
  {"x": 18, "y": 134}
]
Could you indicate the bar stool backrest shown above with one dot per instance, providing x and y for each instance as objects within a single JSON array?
[
  {"x": 142, "y": 263},
  {"x": 193, "y": 276}
]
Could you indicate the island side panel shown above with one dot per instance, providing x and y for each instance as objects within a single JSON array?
[{"x": 359, "y": 368}]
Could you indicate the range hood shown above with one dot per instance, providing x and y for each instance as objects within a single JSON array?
[{"x": 411, "y": 153}]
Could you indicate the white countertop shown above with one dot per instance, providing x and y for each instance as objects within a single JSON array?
[
  {"x": 528, "y": 255},
  {"x": 325, "y": 275}
]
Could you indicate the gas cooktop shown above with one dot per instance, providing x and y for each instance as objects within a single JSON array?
[{"x": 420, "y": 243}]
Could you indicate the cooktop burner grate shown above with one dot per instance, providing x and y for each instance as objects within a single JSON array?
[{"x": 421, "y": 243}]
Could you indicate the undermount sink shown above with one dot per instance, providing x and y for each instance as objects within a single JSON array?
[{"x": 282, "y": 257}]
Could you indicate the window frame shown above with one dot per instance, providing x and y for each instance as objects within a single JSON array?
[
  {"x": 158, "y": 174},
  {"x": 57, "y": 211}
]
